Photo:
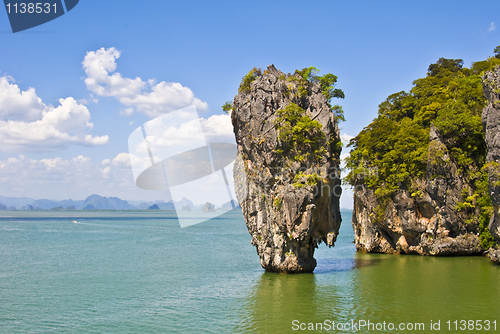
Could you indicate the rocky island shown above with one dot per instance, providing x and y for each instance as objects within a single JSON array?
[
  {"x": 287, "y": 174},
  {"x": 420, "y": 186}
]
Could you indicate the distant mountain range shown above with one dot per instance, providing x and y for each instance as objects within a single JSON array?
[{"x": 96, "y": 202}]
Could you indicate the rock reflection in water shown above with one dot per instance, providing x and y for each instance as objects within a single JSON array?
[
  {"x": 279, "y": 299},
  {"x": 331, "y": 265}
]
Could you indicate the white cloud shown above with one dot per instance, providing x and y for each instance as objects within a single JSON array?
[
  {"x": 18, "y": 104},
  {"x": 81, "y": 160},
  {"x": 492, "y": 27},
  {"x": 76, "y": 178},
  {"x": 87, "y": 101},
  {"x": 122, "y": 160},
  {"x": 345, "y": 138},
  {"x": 174, "y": 133},
  {"x": 49, "y": 179},
  {"x": 163, "y": 135},
  {"x": 218, "y": 129},
  {"x": 26, "y": 123},
  {"x": 54, "y": 163},
  {"x": 343, "y": 156},
  {"x": 180, "y": 131},
  {"x": 105, "y": 172},
  {"x": 346, "y": 200},
  {"x": 23, "y": 176},
  {"x": 95, "y": 141},
  {"x": 147, "y": 97}
]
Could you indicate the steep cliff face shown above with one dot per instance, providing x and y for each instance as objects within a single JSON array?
[
  {"x": 287, "y": 172},
  {"x": 491, "y": 125},
  {"x": 418, "y": 168},
  {"x": 425, "y": 221}
]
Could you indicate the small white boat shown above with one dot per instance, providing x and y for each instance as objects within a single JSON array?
[{"x": 75, "y": 222}]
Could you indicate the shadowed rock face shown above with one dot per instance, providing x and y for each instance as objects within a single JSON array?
[
  {"x": 426, "y": 223},
  {"x": 287, "y": 213},
  {"x": 491, "y": 125}
]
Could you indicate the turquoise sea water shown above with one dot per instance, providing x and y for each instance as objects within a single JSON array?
[{"x": 135, "y": 272}]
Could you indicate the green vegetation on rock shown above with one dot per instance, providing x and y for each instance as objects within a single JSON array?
[
  {"x": 300, "y": 179},
  {"x": 277, "y": 203},
  {"x": 299, "y": 134},
  {"x": 226, "y": 107},
  {"x": 396, "y": 143},
  {"x": 327, "y": 83},
  {"x": 248, "y": 79}
]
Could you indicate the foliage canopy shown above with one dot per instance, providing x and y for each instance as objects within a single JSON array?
[
  {"x": 226, "y": 107},
  {"x": 248, "y": 79},
  {"x": 328, "y": 89},
  {"x": 299, "y": 134}
]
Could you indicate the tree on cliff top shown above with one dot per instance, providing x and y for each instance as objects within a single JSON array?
[
  {"x": 328, "y": 88},
  {"x": 303, "y": 78}
]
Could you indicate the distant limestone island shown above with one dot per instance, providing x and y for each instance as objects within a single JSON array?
[{"x": 96, "y": 202}]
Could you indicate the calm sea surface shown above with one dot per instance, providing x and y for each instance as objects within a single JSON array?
[{"x": 117, "y": 272}]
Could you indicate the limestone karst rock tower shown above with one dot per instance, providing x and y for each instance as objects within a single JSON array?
[{"x": 287, "y": 174}]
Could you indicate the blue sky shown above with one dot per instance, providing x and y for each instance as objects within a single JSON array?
[{"x": 375, "y": 48}]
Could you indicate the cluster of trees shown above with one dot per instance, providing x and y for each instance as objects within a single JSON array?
[
  {"x": 328, "y": 87},
  {"x": 299, "y": 135},
  {"x": 396, "y": 143}
]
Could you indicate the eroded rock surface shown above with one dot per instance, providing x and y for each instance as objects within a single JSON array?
[
  {"x": 289, "y": 197},
  {"x": 491, "y": 125},
  {"x": 424, "y": 222}
]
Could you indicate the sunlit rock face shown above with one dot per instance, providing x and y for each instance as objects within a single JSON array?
[
  {"x": 290, "y": 201},
  {"x": 491, "y": 125},
  {"x": 424, "y": 222}
]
